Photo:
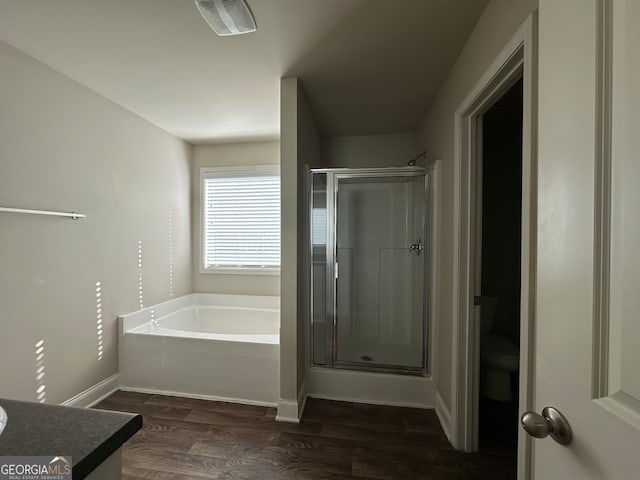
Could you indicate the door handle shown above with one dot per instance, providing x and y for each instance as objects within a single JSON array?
[{"x": 550, "y": 423}]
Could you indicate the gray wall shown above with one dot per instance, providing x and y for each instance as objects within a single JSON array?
[
  {"x": 309, "y": 149},
  {"x": 496, "y": 26},
  {"x": 64, "y": 147},
  {"x": 226, "y": 155},
  {"x": 370, "y": 151}
]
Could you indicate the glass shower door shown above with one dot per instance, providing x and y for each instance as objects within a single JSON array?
[{"x": 380, "y": 272}]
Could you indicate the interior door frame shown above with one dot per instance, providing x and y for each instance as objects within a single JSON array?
[{"x": 518, "y": 59}]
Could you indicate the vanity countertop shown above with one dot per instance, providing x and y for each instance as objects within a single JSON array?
[{"x": 89, "y": 436}]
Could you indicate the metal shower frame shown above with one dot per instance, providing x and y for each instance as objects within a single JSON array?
[{"x": 333, "y": 176}]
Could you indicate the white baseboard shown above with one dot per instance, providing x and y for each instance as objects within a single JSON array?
[
  {"x": 290, "y": 411},
  {"x": 95, "y": 394},
  {"x": 444, "y": 415},
  {"x": 212, "y": 398},
  {"x": 302, "y": 399}
]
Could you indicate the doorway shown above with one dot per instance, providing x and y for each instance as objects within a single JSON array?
[
  {"x": 517, "y": 60},
  {"x": 498, "y": 273}
]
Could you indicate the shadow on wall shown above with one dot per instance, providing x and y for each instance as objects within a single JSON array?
[{"x": 391, "y": 85}]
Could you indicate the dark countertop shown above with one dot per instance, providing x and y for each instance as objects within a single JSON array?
[{"x": 88, "y": 436}]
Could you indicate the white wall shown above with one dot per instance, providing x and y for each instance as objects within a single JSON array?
[
  {"x": 63, "y": 147},
  {"x": 226, "y": 155},
  {"x": 495, "y": 27},
  {"x": 300, "y": 146},
  {"x": 288, "y": 404},
  {"x": 370, "y": 151}
]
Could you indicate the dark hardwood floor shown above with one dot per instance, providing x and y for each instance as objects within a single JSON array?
[{"x": 185, "y": 438}]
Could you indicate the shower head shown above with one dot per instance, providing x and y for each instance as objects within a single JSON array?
[{"x": 413, "y": 161}]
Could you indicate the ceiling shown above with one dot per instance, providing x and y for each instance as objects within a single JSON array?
[{"x": 367, "y": 66}]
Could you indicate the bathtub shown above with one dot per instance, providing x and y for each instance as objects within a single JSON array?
[{"x": 221, "y": 347}]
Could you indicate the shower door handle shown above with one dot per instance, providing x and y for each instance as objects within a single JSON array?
[{"x": 416, "y": 247}]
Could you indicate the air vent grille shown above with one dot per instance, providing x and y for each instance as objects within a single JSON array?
[{"x": 227, "y": 17}]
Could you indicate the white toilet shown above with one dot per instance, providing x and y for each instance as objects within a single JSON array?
[{"x": 499, "y": 358}]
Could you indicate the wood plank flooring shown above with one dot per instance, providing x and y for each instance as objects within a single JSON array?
[{"x": 186, "y": 438}]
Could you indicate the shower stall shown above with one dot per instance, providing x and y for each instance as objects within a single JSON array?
[{"x": 369, "y": 269}]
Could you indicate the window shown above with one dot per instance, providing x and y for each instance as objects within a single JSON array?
[{"x": 241, "y": 220}]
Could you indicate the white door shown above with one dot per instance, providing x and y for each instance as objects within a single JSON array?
[{"x": 588, "y": 302}]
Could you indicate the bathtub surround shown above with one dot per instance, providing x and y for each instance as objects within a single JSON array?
[
  {"x": 213, "y": 346},
  {"x": 64, "y": 147},
  {"x": 228, "y": 155}
]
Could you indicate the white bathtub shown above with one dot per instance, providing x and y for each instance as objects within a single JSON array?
[{"x": 224, "y": 347}]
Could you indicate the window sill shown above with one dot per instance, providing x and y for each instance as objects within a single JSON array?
[{"x": 239, "y": 271}]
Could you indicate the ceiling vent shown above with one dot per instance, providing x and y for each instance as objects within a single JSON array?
[{"x": 227, "y": 17}]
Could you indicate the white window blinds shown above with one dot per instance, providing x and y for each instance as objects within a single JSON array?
[{"x": 241, "y": 218}]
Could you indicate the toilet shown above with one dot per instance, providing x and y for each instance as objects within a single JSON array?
[{"x": 499, "y": 358}]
